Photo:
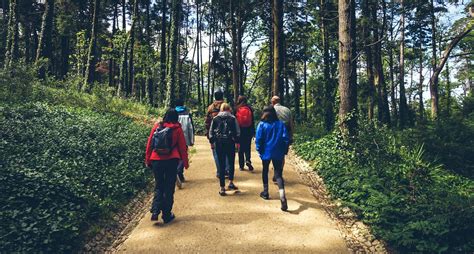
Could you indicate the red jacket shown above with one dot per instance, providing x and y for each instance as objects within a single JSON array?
[{"x": 180, "y": 150}]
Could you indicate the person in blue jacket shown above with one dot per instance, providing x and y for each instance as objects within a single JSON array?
[{"x": 272, "y": 141}]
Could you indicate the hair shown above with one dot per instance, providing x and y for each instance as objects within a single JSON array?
[
  {"x": 171, "y": 116},
  {"x": 218, "y": 95},
  {"x": 241, "y": 101},
  {"x": 225, "y": 107},
  {"x": 269, "y": 114},
  {"x": 179, "y": 102},
  {"x": 275, "y": 100}
]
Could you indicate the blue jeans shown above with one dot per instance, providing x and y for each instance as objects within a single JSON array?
[{"x": 216, "y": 160}]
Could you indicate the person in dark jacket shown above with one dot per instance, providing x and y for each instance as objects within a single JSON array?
[
  {"x": 245, "y": 118},
  {"x": 224, "y": 133},
  {"x": 212, "y": 111},
  {"x": 272, "y": 141},
  {"x": 164, "y": 166},
  {"x": 186, "y": 120}
]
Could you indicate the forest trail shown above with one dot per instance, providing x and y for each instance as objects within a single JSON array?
[{"x": 240, "y": 222}]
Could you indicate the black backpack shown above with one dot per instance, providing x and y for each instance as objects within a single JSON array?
[
  {"x": 224, "y": 131},
  {"x": 162, "y": 140}
]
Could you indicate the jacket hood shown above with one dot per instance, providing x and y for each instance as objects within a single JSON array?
[
  {"x": 225, "y": 113},
  {"x": 172, "y": 125},
  {"x": 180, "y": 109}
]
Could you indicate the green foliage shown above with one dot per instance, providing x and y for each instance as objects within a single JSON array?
[
  {"x": 62, "y": 171},
  {"x": 413, "y": 205}
]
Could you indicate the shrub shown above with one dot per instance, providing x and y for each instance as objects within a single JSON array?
[
  {"x": 63, "y": 170},
  {"x": 413, "y": 205}
]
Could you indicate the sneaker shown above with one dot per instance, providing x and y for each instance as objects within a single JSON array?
[
  {"x": 264, "y": 195},
  {"x": 249, "y": 165},
  {"x": 178, "y": 182},
  {"x": 154, "y": 216},
  {"x": 222, "y": 192},
  {"x": 232, "y": 187},
  {"x": 284, "y": 205},
  {"x": 168, "y": 219}
]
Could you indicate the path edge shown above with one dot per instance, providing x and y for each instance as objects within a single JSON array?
[{"x": 357, "y": 235}]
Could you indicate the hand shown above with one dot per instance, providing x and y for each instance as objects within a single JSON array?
[
  {"x": 237, "y": 147},
  {"x": 212, "y": 146},
  {"x": 147, "y": 165}
]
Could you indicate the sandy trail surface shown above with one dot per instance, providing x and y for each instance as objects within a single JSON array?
[{"x": 239, "y": 222}]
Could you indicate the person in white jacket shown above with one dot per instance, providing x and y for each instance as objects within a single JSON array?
[{"x": 186, "y": 121}]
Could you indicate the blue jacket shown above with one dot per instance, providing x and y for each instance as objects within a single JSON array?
[{"x": 272, "y": 140}]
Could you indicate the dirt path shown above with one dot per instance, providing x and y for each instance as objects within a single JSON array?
[{"x": 206, "y": 222}]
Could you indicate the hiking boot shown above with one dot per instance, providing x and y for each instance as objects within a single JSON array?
[
  {"x": 169, "y": 218},
  {"x": 232, "y": 187},
  {"x": 284, "y": 205},
  {"x": 178, "y": 182},
  {"x": 222, "y": 192},
  {"x": 249, "y": 165},
  {"x": 181, "y": 177},
  {"x": 264, "y": 195},
  {"x": 154, "y": 216}
]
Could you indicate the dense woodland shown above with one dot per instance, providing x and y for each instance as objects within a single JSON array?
[{"x": 368, "y": 81}]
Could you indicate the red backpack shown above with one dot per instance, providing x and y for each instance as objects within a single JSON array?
[{"x": 244, "y": 116}]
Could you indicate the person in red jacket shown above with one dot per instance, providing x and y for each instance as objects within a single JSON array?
[{"x": 164, "y": 166}]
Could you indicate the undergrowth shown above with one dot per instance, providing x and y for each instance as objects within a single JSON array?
[{"x": 414, "y": 205}]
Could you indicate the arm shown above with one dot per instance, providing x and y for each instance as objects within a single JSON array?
[
  {"x": 210, "y": 135},
  {"x": 259, "y": 139},
  {"x": 192, "y": 129},
  {"x": 237, "y": 130},
  {"x": 286, "y": 138},
  {"x": 183, "y": 150},
  {"x": 148, "y": 146}
]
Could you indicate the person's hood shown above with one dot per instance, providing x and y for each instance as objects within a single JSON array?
[
  {"x": 180, "y": 109},
  {"x": 225, "y": 113},
  {"x": 172, "y": 125}
]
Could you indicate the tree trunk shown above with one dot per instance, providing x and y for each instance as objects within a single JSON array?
[
  {"x": 329, "y": 84},
  {"x": 434, "y": 83},
  {"x": 367, "y": 27},
  {"x": 379, "y": 78},
  {"x": 447, "y": 51},
  {"x": 448, "y": 91},
  {"x": 44, "y": 49},
  {"x": 278, "y": 50},
  {"x": 391, "y": 69},
  {"x": 421, "y": 108},
  {"x": 91, "y": 58},
  {"x": 171, "y": 77},
  {"x": 131, "y": 67},
  {"x": 347, "y": 64},
  {"x": 11, "y": 51},
  {"x": 235, "y": 64},
  {"x": 163, "y": 48},
  {"x": 403, "y": 100}
]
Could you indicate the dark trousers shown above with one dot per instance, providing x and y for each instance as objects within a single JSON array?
[
  {"x": 165, "y": 180},
  {"x": 278, "y": 168},
  {"x": 225, "y": 152},
  {"x": 244, "y": 150}
]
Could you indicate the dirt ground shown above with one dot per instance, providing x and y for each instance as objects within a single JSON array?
[{"x": 239, "y": 222}]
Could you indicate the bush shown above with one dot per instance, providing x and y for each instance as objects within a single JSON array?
[
  {"x": 63, "y": 170},
  {"x": 413, "y": 205}
]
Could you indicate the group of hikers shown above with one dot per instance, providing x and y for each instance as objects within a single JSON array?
[{"x": 228, "y": 131}]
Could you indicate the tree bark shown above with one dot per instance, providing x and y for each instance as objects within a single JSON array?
[
  {"x": 44, "y": 49},
  {"x": 11, "y": 51},
  {"x": 368, "y": 48},
  {"x": 131, "y": 67},
  {"x": 391, "y": 69},
  {"x": 278, "y": 50},
  {"x": 235, "y": 64},
  {"x": 447, "y": 51},
  {"x": 163, "y": 47},
  {"x": 403, "y": 100},
  {"x": 171, "y": 77},
  {"x": 91, "y": 59},
  {"x": 347, "y": 68},
  {"x": 329, "y": 84},
  {"x": 421, "y": 108},
  {"x": 434, "y": 83}
]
